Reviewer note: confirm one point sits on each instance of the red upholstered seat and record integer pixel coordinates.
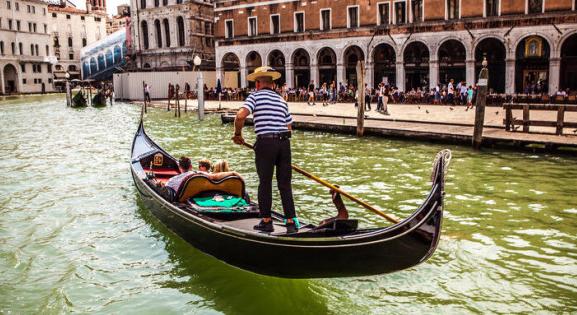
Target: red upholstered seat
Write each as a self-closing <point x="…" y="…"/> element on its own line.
<point x="162" y="172"/>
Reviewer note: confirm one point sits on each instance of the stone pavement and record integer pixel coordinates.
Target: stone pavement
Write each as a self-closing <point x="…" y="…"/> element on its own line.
<point x="409" y="113"/>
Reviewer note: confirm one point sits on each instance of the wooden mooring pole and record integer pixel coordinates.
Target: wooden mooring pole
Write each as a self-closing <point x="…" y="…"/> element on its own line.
<point x="361" y="98"/>
<point x="480" y="106"/>
<point x="144" y="94"/>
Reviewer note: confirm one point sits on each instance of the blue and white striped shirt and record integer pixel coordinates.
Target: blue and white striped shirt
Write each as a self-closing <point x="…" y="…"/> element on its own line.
<point x="269" y="110"/>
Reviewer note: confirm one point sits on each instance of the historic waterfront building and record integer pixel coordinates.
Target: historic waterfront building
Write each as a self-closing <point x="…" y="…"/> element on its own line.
<point x="71" y="29"/>
<point x="118" y="21"/>
<point x="531" y="45"/>
<point x="25" y="54"/>
<point x="167" y="34"/>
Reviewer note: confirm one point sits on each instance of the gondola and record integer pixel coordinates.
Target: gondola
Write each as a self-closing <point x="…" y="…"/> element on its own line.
<point x="336" y="249"/>
<point x="79" y="100"/>
<point x="99" y="100"/>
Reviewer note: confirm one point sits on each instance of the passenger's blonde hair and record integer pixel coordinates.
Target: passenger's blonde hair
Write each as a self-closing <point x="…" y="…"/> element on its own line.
<point x="220" y="166"/>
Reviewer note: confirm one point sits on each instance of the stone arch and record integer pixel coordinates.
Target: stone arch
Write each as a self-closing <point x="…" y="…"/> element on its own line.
<point x="561" y="42"/>
<point x="253" y="61"/>
<point x="452" y="56"/>
<point x="465" y="43"/>
<point x="158" y="33"/>
<point x="416" y="56"/>
<point x="351" y="55"/>
<point x="568" y="69"/>
<point x="144" y="30"/>
<point x="384" y="59"/>
<point x="496" y="52"/>
<point x="532" y="55"/>
<point x="301" y="61"/>
<point x="230" y="62"/>
<point x="11" y="79"/>
<point x="327" y="64"/>
<point x="109" y="58"/>
<point x="401" y="52"/>
<point x="371" y="54"/>
<point x="276" y="59"/>
<point x="522" y="36"/>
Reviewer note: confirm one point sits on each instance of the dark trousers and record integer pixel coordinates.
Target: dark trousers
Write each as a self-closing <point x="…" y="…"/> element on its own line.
<point x="271" y="153"/>
<point x="367" y="102"/>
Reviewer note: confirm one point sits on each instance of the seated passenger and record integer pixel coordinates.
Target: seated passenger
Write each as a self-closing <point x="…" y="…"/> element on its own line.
<point x="186" y="171"/>
<point x="221" y="170"/>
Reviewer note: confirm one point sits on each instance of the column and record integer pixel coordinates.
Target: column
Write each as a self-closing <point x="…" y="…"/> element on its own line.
<point x="341" y="74"/>
<point x="509" y="76"/>
<point x="2" y="89"/>
<point x="433" y="73"/>
<point x="554" y="74"/>
<point x="369" y="75"/>
<point x="400" y="75"/>
<point x="290" y="75"/>
<point x="243" y="82"/>
<point x="315" y="73"/>
<point x="470" y="71"/>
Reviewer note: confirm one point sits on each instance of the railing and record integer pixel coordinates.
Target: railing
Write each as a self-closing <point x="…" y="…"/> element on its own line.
<point x="526" y="122"/>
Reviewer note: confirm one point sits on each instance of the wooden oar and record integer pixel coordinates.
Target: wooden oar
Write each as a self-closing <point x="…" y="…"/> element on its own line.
<point x="323" y="182"/>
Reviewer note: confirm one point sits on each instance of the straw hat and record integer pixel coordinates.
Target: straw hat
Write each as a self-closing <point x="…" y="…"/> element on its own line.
<point x="264" y="71"/>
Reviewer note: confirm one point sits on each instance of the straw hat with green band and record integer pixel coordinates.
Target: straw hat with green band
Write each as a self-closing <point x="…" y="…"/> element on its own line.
<point x="264" y="71"/>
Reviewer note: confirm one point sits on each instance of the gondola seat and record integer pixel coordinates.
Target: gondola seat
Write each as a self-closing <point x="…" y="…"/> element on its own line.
<point x="200" y="183"/>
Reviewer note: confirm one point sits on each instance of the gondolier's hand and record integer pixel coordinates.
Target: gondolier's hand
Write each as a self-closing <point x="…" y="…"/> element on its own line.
<point x="238" y="139"/>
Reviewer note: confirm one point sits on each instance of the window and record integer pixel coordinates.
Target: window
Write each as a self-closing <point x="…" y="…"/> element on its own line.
<point x="45" y="29"/>
<point x="69" y="41"/>
<point x="180" y="26"/>
<point x="143" y="4"/>
<point x="84" y="42"/>
<point x="23" y="67"/>
<point x="252" y="30"/>
<point x="29" y="8"/>
<point x="535" y="6"/>
<point x="34" y="26"/>
<point x="20" y="49"/>
<point x="8" y="6"/>
<point x="144" y="27"/>
<point x="31" y="49"/>
<point x="17" y="6"/>
<point x="82" y="18"/>
<point x="68" y="16"/>
<point x="47" y="50"/>
<point x="384" y="14"/>
<point x="400" y="12"/>
<point x="158" y="33"/>
<point x="97" y="19"/>
<point x="33" y="10"/>
<point x="164" y="2"/>
<point x="178" y="1"/>
<point x="1" y="48"/>
<point x="166" y="32"/>
<point x="157" y="3"/>
<point x="24" y="81"/>
<point x="71" y="56"/>
<point x="353" y="17"/>
<point x="43" y="11"/>
<point x="18" y="25"/>
<point x="229" y="29"/>
<point x="417" y="9"/>
<point x="299" y="22"/>
<point x="13" y="48"/>
<point x="275" y="24"/>
<point x="453" y="11"/>
<point x="49" y="70"/>
<point x="325" y="19"/>
<point x="30" y="26"/>
<point x="53" y="14"/>
<point x="492" y="8"/>
<point x="9" y="24"/>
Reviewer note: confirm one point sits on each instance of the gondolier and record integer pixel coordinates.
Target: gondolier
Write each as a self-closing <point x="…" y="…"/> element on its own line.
<point x="272" y="125"/>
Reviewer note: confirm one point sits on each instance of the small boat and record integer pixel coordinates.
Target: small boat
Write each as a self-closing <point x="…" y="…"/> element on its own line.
<point x="79" y="100"/>
<point x="99" y="100"/>
<point x="336" y="249"/>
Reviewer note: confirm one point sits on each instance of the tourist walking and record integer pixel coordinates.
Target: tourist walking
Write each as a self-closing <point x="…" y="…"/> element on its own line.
<point x="368" y="97"/>
<point x="451" y="93"/>
<point x="311" y="93"/>
<point x="469" y="97"/>
<point x="146" y="93"/>
<point x="272" y="125"/>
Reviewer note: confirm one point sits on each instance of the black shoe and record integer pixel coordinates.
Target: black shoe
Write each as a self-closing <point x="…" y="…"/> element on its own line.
<point x="291" y="228"/>
<point x="264" y="226"/>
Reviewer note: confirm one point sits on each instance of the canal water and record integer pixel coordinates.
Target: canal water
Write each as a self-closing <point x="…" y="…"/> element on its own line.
<point x="74" y="236"/>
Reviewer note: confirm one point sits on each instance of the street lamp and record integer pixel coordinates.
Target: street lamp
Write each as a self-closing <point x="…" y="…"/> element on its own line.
<point x="199" y="87"/>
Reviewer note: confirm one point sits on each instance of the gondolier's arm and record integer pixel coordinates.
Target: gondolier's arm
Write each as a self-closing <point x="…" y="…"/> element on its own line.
<point x="238" y="124"/>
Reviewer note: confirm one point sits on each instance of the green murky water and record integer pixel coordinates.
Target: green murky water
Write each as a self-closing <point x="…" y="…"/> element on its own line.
<point x="75" y="238"/>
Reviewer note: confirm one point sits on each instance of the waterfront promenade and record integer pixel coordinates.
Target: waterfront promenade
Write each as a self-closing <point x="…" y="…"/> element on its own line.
<point x="452" y="124"/>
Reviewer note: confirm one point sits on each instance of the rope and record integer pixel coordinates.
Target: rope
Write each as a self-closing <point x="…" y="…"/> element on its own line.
<point x="444" y="156"/>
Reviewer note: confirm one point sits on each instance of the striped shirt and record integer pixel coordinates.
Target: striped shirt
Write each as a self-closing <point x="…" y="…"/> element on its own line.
<point x="269" y="110"/>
